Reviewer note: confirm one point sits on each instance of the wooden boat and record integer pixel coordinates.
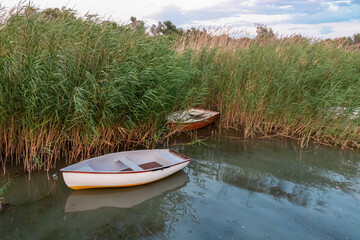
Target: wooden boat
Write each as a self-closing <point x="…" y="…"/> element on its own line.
<point x="91" y="199"/>
<point x="351" y="114"/>
<point x="124" y="169"/>
<point x="191" y="119"/>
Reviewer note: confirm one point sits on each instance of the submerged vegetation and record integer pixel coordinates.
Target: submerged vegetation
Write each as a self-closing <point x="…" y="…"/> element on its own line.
<point x="6" y="186"/>
<point x="72" y="87"/>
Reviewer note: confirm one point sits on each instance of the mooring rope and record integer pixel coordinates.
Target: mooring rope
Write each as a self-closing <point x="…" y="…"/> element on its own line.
<point x="55" y="177"/>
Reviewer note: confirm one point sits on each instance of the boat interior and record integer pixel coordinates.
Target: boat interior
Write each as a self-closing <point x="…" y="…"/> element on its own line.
<point x="191" y="115"/>
<point x="127" y="162"/>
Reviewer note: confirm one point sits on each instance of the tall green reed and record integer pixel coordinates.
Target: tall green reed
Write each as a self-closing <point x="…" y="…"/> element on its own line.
<point x="76" y="86"/>
<point x="288" y="87"/>
<point x="72" y="87"/>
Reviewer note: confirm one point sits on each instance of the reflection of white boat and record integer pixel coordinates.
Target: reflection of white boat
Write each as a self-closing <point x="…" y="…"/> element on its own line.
<point x="191" y="119"/>
<point x="124" y="169"/>
<point x="92" y="199"/>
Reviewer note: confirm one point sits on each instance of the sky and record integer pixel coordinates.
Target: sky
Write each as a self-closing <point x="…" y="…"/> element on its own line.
<point x="310" y="18"/>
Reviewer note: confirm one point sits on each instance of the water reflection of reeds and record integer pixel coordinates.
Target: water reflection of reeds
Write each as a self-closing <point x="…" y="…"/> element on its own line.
<point x="279" y="168"/>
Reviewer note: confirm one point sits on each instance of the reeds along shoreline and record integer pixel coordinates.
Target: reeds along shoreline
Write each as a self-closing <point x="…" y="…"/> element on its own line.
<point x="74" y="87"/>
<point x="287" y="87"/>
<point x="71" y="86"/>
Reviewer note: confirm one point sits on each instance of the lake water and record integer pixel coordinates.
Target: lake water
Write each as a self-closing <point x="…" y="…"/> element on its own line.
<point x="232" y="189"/>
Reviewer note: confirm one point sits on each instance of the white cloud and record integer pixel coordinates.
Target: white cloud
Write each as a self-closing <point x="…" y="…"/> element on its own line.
<point x="286" y="7"/>
<point x="188" y="5"/>
<point x="204" y="13"/>
<point x="345" y="1"/>
<point x="244" y="19"/>
<point x="122" y="9"/>
<point x="250" y="3"/>
<point x="119" y="10"/>
<point x="338" y="29"/>
<point x="332" y="6"/>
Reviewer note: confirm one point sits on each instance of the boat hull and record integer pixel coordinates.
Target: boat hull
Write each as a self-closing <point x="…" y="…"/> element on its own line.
<point x="86" y="180"/>
<point x="192" y="125"/>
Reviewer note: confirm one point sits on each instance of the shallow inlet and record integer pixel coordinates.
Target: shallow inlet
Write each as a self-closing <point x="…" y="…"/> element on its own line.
<point x="233" y="189"/>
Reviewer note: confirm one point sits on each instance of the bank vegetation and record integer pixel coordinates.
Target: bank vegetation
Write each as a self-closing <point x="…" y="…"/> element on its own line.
<point x="72" y="87"/>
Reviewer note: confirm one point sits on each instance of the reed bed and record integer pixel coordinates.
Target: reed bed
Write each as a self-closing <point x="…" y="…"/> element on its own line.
<point x="73" y="87"/>
<point x="282" y="87"/>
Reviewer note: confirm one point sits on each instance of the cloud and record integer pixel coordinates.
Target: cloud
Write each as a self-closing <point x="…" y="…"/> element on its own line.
<point x="320" y="30"/>
<point x="286" y="7"/>
<point x="188" y="5"/>
<point x="335" y="5"/>
<point x="244" y="19"/>
<point x="332" y="6"/>
<point x="342" y="14"/>
<point x="313" y="17"/>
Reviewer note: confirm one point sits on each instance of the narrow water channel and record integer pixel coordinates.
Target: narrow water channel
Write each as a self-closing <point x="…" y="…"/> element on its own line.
<point x="232" y="189"/>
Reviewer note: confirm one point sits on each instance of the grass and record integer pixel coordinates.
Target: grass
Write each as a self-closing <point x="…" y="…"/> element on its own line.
<point x="74" y="87"/>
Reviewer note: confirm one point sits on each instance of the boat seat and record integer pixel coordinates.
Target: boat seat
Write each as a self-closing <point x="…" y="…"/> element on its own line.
<point x="170" y="156"/>
<point x="86" y="168"/>
<point x="150" y="165"/>
<point x="129" y="163"/>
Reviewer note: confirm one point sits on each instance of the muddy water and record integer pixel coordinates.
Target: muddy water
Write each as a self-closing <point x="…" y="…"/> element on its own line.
<point x="233" y="189"/>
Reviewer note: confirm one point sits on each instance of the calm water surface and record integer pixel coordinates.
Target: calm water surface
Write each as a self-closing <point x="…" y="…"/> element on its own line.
<point x="233" y="189"/>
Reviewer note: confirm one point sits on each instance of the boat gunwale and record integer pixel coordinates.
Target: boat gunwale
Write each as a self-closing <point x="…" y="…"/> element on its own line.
<point x="177" y="154"/>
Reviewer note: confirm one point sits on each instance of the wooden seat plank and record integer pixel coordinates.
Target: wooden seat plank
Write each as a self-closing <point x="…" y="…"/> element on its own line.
<point x="150" y="165"/>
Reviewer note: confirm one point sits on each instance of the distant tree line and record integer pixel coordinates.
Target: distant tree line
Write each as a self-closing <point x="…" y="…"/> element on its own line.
<point x="263" y="32"/>
<point x="162" y="28"/>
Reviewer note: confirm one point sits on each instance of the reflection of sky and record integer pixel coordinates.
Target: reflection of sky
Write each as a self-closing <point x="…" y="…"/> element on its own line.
<point x="280" y="168"/>
<point x="316" y="18"/>
<point x="273" y="189"/>
<point x="255" y="189"/>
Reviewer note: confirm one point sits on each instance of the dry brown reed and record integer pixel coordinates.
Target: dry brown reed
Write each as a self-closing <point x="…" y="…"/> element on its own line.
<point x="44" y="148"/>
<point x="213" y="38"/>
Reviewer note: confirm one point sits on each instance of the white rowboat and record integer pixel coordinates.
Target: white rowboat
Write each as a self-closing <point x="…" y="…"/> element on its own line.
<point x="351" y="114"/>
<point x="124" y="169"/>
